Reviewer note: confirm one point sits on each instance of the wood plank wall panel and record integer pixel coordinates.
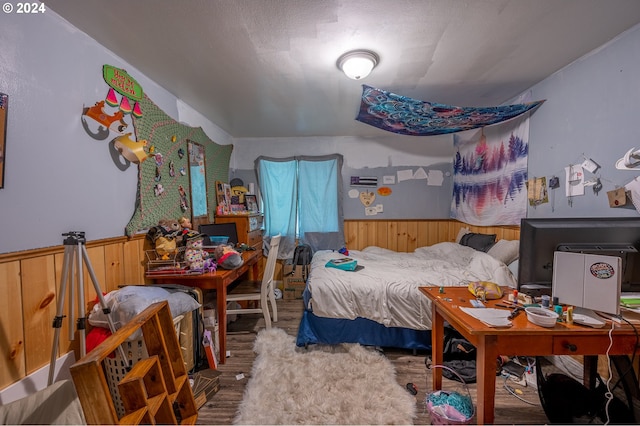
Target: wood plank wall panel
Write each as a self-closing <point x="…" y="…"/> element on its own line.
<point x="407" y="235"/>
<point x="12" y="365"/>
<point x="38" y="309"/>
<point x="113" y="262"/>
<point x="31" y="279"/>
<point x="133" y="252"/>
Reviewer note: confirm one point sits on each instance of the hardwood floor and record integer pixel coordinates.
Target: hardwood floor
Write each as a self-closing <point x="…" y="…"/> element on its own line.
<point x="410" y="367"/>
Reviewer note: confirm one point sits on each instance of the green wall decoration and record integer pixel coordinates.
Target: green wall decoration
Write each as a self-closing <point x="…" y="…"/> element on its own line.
<point x="163" y="178"/>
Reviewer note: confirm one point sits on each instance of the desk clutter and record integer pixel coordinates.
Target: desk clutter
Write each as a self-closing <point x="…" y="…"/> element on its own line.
<point x="179" y="250"/>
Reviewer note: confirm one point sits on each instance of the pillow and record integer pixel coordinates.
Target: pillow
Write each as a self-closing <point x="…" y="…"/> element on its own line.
<point x="505" y="251"/>
<point x="461" y="233"/>
<point x="129" y="301"/>
<point x="480" y="242"/>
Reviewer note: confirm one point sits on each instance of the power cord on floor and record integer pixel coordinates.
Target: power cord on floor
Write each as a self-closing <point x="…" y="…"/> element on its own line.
<point x="513" y="391"/>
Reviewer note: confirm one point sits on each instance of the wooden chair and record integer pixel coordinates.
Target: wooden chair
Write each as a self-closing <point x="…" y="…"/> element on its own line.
<point x="266" y="288"/>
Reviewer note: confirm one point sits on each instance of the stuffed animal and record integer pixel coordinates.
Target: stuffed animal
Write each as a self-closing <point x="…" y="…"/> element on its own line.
<point x="164" y="237"/>
<point x="195" y="256"/>
<point x="227" y="257"/>
<point x="171" y="226"/>
<point x="165" y="247"/>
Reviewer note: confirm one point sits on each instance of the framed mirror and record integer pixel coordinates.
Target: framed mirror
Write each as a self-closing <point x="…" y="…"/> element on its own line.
<point x="198" y="182"/>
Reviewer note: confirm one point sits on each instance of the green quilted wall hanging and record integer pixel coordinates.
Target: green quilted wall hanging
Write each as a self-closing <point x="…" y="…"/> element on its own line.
<point x="163" y="177"/>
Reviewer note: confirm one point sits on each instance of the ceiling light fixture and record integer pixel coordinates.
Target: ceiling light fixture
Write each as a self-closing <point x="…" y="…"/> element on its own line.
<point x="357" y="64"/>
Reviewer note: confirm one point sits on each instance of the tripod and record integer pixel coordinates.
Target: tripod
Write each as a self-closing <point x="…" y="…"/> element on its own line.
<point x="75" y="249"/>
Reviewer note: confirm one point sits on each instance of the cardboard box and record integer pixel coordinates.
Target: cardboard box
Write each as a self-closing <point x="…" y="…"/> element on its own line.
<point x="293" y="289"/>
<point x="293" y="284"/>
<point x="206" y="383"/>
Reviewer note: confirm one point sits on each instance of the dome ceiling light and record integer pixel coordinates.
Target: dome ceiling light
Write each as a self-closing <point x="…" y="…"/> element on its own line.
<point x="357" y="64"/>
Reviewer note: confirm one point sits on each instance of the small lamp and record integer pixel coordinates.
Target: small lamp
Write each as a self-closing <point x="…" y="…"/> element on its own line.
<point x="357" y="64"/>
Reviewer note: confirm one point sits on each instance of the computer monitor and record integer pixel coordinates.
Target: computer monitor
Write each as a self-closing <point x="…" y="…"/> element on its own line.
<point x="540" y="238"/>
<point x="220" y="230"/>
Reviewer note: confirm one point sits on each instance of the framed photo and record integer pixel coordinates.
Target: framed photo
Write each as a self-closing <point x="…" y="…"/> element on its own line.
<point x="4" y="105"/>
<point x="252" y="203"/>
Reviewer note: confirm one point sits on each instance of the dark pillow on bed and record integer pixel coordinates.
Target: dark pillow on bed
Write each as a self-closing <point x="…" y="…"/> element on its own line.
<point x="480" y="242"/>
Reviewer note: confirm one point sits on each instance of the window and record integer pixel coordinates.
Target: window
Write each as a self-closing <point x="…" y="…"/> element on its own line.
<point x="302" y="200"/>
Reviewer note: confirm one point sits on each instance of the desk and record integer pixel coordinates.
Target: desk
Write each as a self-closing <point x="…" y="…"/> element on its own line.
<point x="218" y="281"/>
<point x="522" y="338"/>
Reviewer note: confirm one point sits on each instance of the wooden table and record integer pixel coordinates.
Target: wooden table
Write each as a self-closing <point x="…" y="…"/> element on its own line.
<point x="218" y="281"/>
<point x="522" y="338"/>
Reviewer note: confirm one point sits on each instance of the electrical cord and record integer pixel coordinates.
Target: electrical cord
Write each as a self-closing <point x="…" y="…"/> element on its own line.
<point x="513" y="392"/>
<point x="608" y="394"/>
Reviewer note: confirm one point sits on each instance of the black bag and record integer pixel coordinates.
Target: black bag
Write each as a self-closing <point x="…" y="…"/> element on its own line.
<point x="459" y="355"/>
<point x="565" y="400"/>
<point x="302" y="256"/>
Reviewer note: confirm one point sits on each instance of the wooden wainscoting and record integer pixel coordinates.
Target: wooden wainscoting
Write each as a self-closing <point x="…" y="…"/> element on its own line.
<point x="30" y="287"/>
<point x="407" y="235"/>
<point x="30" y="281"/>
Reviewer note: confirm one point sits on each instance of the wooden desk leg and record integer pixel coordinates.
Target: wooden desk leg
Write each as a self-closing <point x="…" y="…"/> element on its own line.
<point x="486" y="374"/>
<point x="221" y="298"/>
<point x="254" y="272"/>
<point x="437" y="347"/>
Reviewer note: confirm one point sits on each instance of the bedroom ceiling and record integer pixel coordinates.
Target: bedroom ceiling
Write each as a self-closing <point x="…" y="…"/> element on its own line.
<point x="267" y="68"/>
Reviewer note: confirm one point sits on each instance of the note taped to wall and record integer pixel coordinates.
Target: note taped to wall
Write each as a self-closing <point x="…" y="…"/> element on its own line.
<point x="435" y="178"/>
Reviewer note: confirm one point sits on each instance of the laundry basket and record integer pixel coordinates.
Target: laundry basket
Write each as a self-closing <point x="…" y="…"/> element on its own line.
<point x="450" y="407"/>
<point x="116" y="368"/>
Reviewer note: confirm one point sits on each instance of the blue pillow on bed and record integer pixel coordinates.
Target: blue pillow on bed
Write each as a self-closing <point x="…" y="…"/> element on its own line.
<point x="480" y="242"/>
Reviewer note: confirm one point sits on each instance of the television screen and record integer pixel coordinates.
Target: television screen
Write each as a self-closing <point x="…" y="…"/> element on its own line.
<point x="541" y="238"/>
<point x="220" y="230"/>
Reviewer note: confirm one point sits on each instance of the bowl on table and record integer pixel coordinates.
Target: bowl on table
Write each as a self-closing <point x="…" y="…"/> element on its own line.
<point x="541" y="316"/>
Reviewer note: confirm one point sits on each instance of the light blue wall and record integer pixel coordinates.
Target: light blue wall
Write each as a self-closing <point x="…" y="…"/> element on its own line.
<point x="591" y="110"/>
<point x="57" y="178"/>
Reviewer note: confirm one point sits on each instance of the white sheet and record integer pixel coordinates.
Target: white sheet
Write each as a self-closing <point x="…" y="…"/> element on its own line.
<point x="386" y="290"/>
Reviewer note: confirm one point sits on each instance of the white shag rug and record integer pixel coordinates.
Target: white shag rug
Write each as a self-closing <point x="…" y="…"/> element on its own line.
<point x="343" y="384"/>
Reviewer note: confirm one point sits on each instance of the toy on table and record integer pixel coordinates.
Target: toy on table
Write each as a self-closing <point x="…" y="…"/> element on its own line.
<point x="228" y="258"/>
<point x="195" y="257"/>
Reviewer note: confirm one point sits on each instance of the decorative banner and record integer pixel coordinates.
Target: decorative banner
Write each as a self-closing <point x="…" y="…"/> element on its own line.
<point x="490" y="175"/>
<point x="122" y="82"/>
<point x="407" y="116"/>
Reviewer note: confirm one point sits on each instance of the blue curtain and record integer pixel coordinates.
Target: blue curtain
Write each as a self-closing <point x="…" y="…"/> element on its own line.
<point x="302" y="201"/>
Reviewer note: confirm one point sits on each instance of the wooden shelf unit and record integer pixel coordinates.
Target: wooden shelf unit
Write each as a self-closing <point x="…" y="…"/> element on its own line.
<point x="152" y="388"/>
<point x="248" y="226"/>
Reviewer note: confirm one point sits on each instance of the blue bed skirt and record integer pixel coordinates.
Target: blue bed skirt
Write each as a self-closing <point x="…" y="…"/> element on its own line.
<point x="314" y="330"/>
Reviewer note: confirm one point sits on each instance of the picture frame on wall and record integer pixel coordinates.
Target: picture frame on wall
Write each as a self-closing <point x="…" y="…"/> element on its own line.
<point x="4" y="105"/>
<point x="251" y="202"/>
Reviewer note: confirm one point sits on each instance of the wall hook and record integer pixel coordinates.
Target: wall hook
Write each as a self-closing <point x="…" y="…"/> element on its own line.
<point x="630" y="161"/>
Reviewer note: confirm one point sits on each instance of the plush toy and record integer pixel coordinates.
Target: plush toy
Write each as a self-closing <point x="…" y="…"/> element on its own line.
<point x="227" y="257"/>
<point x="164" y="237"/>
<point x="170" y="226"/>
<point x="165" y="247"/>
<point x="195" y="256"/>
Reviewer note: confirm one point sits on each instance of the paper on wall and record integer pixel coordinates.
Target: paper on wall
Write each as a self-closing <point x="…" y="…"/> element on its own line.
<point x="435" y="178"/>
<point x="634" y="189"/>
<point x="574" y="180"/>
<point x="420" y="174"/>
<point x="389" y="180"/>
<point x="405" y="175"/>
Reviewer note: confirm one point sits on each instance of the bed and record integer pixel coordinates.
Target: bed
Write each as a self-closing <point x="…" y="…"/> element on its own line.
<point x="380" y="304"/>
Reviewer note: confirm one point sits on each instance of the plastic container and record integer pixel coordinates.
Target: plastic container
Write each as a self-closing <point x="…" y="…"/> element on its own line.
<point x="541" y="316"/>
<point x="218" y="240"/>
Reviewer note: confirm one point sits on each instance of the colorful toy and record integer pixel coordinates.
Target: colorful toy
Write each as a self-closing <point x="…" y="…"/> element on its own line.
<point x="227" y="257"/>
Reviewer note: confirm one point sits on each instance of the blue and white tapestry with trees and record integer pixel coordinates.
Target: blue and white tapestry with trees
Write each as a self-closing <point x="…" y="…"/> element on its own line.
<point x="490" y="174"/>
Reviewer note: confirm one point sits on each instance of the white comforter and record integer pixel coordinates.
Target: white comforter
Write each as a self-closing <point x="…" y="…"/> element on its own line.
<point x="386" y="290"/>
